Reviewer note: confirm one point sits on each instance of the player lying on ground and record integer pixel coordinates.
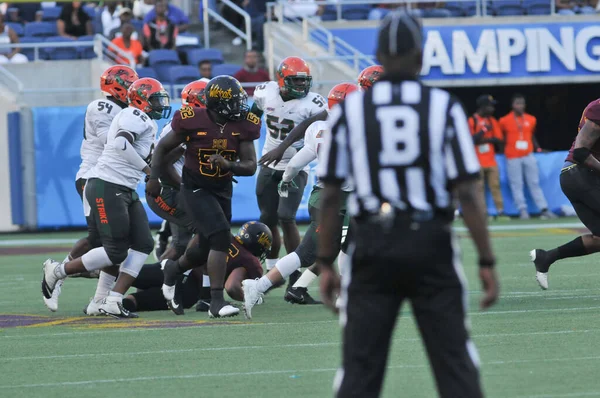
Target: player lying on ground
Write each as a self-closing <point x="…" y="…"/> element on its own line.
<point x="114" y="83"/>
<point x="248" y="247"/>
<point x="115" y="211"/>
<point x="306" y="254"/>
<point x="219" y="144"/>
<point x="580" y="182"/>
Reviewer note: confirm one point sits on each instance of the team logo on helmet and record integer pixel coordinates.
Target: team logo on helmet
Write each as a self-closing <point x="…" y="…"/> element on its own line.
<point x="217" y="92"/>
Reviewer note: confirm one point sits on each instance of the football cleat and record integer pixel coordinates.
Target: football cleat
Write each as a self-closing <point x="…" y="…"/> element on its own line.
<point x="52" y="302"/>
<point x="548" y="215"/>
<point x="112" y="306"/>
<point x="203" y="306"/>
<point x="176" y="307"/>
<point x="251" y="296"/>
<point x="299" y="295"/>
<point x="50" y="278"/>
<point x="93" y="308"/>
<point x="225" y="311"/>
<point x="540" y="260"/>
<point x="170" y="274"/>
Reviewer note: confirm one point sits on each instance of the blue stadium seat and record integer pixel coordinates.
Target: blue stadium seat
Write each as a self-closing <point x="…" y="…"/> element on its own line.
<point x="456" y="8"/>
<point x="163" y="57"/>
<point x="41" y="29"/>
<point x="146" y="72"/>
<point x="17" y="27"/>
<point x="86" y="52"/>
<point x="183" y="74"/>
<point x="355" y="12"/>
<point x="30" y="52"/>
<point x="225" y="69"/>
<point x="60" y="53"/>
<point x="538" y="9"/>
<point x="509" y="10"/>
<point x="90" y="10"/>
<point x="51" y="13"/>
<point x="329" y="13"/>
<point x="205" y="54"/>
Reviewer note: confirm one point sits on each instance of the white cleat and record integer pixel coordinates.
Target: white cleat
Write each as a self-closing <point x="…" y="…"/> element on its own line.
<point x="540" y="277"/>
<point x="338" y="303"/>
<point x="113" y="306"/>
<point x="93" y="308"/>
<point x="226" y="311"/>
<point x="52" y="302"/>
<point x="168" y="292"/>
<point x="50" y="278"/>
<point x="251" y="296"/>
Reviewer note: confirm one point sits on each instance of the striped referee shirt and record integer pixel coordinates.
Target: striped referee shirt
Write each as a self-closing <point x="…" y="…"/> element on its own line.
<point x="402" y="143"/>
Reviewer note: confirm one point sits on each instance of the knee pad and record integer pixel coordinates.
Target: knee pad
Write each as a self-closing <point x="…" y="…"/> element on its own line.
<point x="307" y="252"/>
<point x="220" y="241"/>
<point x="133" y="263"/>
<point x="116" y="254"/>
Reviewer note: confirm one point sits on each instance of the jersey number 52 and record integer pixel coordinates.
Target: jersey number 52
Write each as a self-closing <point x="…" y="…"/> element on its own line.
<point x="279" y="129"/>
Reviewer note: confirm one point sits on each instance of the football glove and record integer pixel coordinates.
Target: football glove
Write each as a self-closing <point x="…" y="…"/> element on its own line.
<point x="284" y="187"/>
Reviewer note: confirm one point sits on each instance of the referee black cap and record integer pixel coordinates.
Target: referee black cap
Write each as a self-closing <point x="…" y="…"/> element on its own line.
<point x="485" y="100"/>
<point x="399" y="34"/>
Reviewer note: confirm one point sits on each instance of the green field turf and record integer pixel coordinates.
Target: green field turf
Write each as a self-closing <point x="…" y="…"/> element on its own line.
<point x="532" y="343"/>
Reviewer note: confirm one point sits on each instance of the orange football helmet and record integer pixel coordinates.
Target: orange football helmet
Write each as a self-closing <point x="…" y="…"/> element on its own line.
<point x="149" y="96"/>
<point x="293" y="77"/>
<point x="339" y="92"/>
<point x="115" y="81"/>
<point x="193" y="94"/>
<point x="369" y="75"/>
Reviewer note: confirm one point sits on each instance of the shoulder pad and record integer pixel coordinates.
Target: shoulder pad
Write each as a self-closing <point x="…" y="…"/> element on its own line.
<point x="134" y="120"/>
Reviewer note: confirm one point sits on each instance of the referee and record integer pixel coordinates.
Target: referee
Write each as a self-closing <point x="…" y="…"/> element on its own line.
<point x="408" y="149"/>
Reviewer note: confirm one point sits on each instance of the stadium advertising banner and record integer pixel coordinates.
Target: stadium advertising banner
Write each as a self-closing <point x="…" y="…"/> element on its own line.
<point x="503" y="53"/>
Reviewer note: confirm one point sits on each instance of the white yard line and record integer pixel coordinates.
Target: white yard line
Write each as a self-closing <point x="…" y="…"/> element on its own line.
<point x="261" y="373"/>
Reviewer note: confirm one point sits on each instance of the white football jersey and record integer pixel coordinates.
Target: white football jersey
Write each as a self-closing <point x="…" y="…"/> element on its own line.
<point x="112" y="166"/>
<point x="282" y="116"/>
<point x="179" y="163"/>
<point x="98" y="117"/>
<point x="313" y="140"/>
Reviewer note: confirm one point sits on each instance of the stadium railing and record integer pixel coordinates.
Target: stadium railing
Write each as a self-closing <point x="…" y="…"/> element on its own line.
<point x="207" y="13"/>
<point x="103" y="48"/>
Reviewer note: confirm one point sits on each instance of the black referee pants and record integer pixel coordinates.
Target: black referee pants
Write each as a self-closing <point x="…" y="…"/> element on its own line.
<point x="414" y="262"/>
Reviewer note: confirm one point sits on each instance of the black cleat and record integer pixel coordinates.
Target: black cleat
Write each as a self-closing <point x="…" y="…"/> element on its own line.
<point x="299" y="295"/>
<point x="203" y="306"/>
<point x="170" y="272"/>
<point x="541" y="259"/>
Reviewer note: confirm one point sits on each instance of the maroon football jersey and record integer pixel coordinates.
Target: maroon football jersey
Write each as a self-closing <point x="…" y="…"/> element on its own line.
<point x="591" y="112"/>
<point x="204" y="138"/>
<point x="238" y="256"/>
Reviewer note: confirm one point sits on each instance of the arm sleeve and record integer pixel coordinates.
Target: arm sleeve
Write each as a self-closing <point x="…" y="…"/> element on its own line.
<point x="122" y="146"/>
<point x="335" y="164"/>
<point x="459" y="152"/>
<point x="298" y="162"/>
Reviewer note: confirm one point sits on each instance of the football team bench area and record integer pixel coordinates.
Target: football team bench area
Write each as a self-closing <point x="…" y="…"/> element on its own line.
<point x="532" y="344"/>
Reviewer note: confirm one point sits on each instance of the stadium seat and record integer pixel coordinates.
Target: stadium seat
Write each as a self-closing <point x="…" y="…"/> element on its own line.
<point x="456" y="8"/>
<point x="60" y="53"/>
<point x="51" y="13"/>
<point x="183" y="74"/>
<point x="90" y="10"/>
<point x="41" y="29"/>
<point x="329" y="13"/>
<point x="17" y="27"/>
<point x="30" y="52"/>
<point x="86" y="52"/>
<point x="355" y="12"/>
<point x="163" y="57"/>
<point x="146" y="72"/>
<point x="205" y="54"/>
<point x="509" y="10"/>
<point x="225" y="69"/>
<point x="538" y="9"/>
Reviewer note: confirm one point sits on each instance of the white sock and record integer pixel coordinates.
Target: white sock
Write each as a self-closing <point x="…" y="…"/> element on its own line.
<point x="96" y="259"/>
<point x="205" y="281"/>
<point x="116" y="296"/>
<point x="271" y="263"/>
<point x="288" y="264"/>
<point x="264" y="284"/>
<point x="305" y="279"/>
<point x="60" y="271"/>
<point x="105" y="284"/>
<point x="344" y="263"/>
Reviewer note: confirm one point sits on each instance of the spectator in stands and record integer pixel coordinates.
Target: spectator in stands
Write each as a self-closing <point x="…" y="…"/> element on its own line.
<point x="125" y="16"/>
<point x="251" y="72"/>
<point x="160" y="32"/>
<point x="380" y="11"/>
<point x="73" y="21"/>
<point x="8" y="36"/>
<point x="25" y="12"/>
<point x="258" y="14"/>
<point x="110" y="18"/>
<point x="141" y="8"/>
<point x="486" y="135"/>
<point x="129" y="45"/>
<point x="173" y="13"/>
<point x="205" y="68"/>
<point x="518" y="128"/>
